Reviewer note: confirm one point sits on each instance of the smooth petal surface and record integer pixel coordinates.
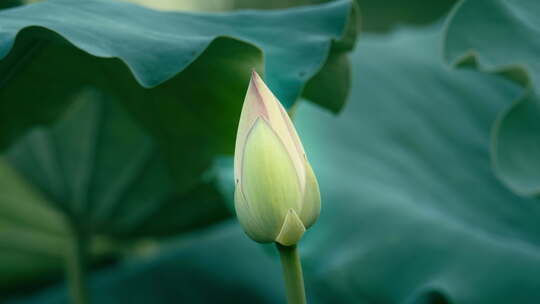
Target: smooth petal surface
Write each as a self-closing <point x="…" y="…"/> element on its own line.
<point x="252" y="109"/>
<point x="254" y="228"/>
<point x="311" y="204"/>
<point x="269" y="181"/>
<point x="260" y="102"/>
<point x="292" y="230"/>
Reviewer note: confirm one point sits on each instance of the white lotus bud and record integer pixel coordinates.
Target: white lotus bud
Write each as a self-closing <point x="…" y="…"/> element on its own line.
<point x="276" y="196"/>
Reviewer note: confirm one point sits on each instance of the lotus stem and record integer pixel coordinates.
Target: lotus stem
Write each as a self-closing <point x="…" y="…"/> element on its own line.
<point x="292" y="272"/>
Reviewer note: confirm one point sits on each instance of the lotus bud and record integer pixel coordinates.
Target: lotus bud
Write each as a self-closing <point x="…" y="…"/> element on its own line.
<point x="276" y="192"/>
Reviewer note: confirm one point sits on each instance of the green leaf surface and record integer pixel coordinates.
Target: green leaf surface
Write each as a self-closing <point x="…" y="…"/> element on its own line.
<point x="104" y="175"/>
<point x="509" y="46"/>
<point x="218" y="266"/>
<point x="32" y="235"/>
<point x="197" y="64"/>
<point x="376" y="15"/>
<point x="411" y="210"/>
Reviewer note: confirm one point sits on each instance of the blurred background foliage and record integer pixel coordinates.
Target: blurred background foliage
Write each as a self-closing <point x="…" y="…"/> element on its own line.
<point x="114" y="155"/>
<point x="515" y="141"/>
<point x="376" y="15"/>
<point x="413" y="210"/>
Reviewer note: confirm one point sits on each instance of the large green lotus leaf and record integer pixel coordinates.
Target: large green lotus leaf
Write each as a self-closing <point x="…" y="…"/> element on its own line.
<point x="376" y="15"/>
<point x="218" y="266"/>
<point x="183" y="76"/>
<point x="33" y="236"/>
<point x="103" y="176"/>
<point x="411" y="211"/>
<point x="503" y="37"/>
<point x="107" y="175"/>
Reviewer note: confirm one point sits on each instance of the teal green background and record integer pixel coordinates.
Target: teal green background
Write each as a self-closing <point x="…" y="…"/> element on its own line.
<point x="420" y="122"/>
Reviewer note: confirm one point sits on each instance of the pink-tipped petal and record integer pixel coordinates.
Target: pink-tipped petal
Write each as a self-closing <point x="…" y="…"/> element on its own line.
<point x="277" y="196"/>
<point x="252" y="109"/>
<point x="278" y="120"/>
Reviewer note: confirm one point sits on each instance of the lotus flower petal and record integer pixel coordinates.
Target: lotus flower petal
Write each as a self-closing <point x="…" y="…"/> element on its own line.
<point x="292" y="229"/>
<point x="311" y="204"/>
<point x="277" y="196"/>
<point x="261" y="103"/>
<point x="269" y="182"/>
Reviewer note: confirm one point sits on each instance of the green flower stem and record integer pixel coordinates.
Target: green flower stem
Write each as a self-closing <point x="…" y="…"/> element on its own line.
<point x="292" y="272"/>
<point x="76" y="268"/>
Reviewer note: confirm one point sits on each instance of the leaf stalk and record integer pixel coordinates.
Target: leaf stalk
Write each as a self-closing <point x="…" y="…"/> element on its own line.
<point x="292" y="273"/>
<point x="76" y="267"/>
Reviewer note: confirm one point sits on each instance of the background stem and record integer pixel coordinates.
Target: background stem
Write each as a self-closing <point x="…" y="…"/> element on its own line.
<point x="292" y="272"/>
<point x="76" y="268"/>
